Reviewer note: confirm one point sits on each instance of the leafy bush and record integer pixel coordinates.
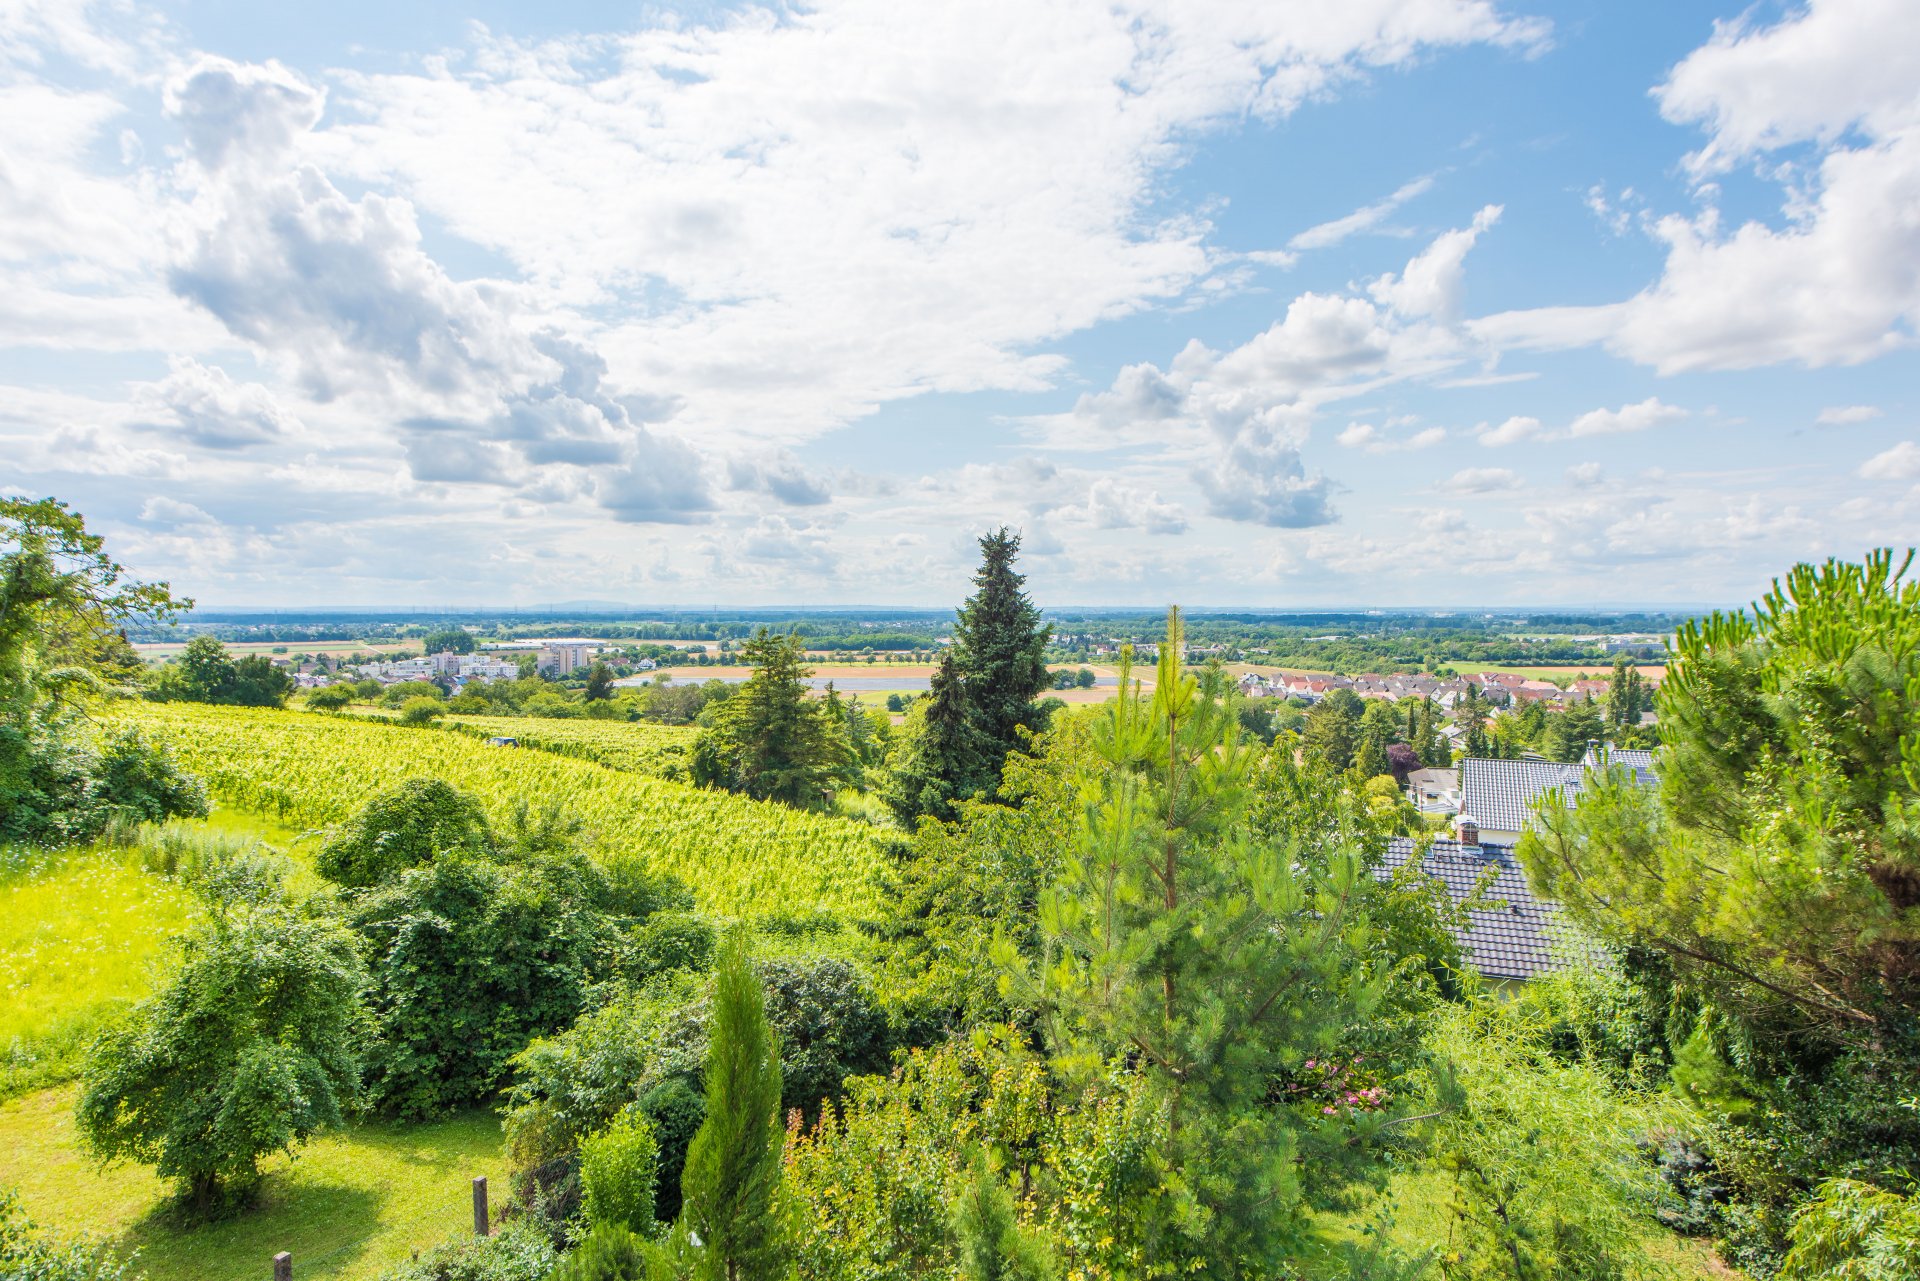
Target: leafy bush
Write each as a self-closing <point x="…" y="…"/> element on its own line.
<point x="519" y="1251"/>
<point x="471" y="960"/>
<point x="422" y="711"/>
<point x="248" y="1049"/>
<point x="25" y="1255"/>
<point x="829" y="1024"/>
<point x="1858" y="1232"/>
<point x="402" y="827"/>
<point x="399" y="694"/>
<point x="618" y="1170"/>
<point x="57" y="787"/>
<point x="331" y="698"/>
<point x="670" y="941"/>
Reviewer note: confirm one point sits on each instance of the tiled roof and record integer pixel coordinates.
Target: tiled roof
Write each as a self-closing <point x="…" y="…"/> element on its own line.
<point x="1516" y="935"/>
<point x="1500" y="795"/>
<point x="1638" y="760"/>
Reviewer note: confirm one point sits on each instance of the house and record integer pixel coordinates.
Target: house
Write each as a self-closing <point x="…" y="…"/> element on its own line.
<point x="1511" y="936"/>
<point x="1500" y="796"/>
<point x="1434" y="791"/>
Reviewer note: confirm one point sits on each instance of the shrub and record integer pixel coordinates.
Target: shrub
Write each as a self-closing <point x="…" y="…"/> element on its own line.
<point x="27" y="1256"/>
<point x="618" y="1169"/>
<point x="670" y="941"/>
<point x="397" y="695"/>
<point x="422" y="711"/>
<point x="330" y="699"/>
<point x="519" y="1251"/>
<point x="400" y="828"/>
<point x="471" y="960"/>
<point x="611" y="1252"/>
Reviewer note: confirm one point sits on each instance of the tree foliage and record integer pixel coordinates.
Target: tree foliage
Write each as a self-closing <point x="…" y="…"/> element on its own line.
<point x="251" y="1047"/>
<point x="408" y="824"/>
<point x="731" y="1187"/>
<point x="1207" y="958"/>
<point x="771" y="740"/>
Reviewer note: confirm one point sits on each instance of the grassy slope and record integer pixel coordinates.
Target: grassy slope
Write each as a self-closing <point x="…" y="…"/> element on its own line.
<point x="348" y="1207"/>
<point x="79" y="937"/>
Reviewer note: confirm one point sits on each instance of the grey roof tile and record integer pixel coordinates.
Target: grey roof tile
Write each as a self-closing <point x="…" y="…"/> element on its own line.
<point x="1515" y="936"/>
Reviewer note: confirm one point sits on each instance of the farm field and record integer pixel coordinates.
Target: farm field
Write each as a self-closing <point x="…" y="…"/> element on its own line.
<point x="634" y="747"/>
<point x="350" y="1206"/>
<point x="160" y="651"/>
<point x="741" y="858"/>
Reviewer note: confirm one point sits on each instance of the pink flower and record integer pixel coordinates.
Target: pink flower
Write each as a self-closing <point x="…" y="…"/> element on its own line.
<point x="1309" y="1063"/>
<point x="1327" y="1111"/>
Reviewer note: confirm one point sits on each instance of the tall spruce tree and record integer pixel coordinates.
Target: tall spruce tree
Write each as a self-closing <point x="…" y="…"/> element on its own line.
<point x="1000" y="646"/>
<point x="730" y="1188"/>
<point x="942" y="762"/>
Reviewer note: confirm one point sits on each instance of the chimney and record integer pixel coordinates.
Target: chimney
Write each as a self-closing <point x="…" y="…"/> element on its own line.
<point x="1467" y="829"/>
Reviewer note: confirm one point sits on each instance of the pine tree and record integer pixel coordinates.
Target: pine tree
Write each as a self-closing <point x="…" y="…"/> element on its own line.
<point x="1472" y="715"/>
<point x="1000" y="646"/>
<point x="730" y="1188"/>
<point x="1179" y="943"/>
<point x="599" y="682"/>
<point x="771" y="740"/>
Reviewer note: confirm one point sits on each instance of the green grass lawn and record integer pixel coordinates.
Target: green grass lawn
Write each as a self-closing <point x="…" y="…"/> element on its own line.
<point x="80" y="936"/>
<point x="348" y="1207"/>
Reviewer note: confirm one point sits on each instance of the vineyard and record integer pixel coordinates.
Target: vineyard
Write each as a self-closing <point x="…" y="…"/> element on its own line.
<point x="657" y="751"/>
<point x="741" y="857"/>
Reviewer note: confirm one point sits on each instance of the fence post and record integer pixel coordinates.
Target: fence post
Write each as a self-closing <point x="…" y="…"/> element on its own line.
<point x="283" y="1266"/>
<point x="480" y="1206"/>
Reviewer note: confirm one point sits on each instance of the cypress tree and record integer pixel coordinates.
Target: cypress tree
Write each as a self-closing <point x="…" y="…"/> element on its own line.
<point x="1000" y="646"/>
<point x="730" y="1188"/>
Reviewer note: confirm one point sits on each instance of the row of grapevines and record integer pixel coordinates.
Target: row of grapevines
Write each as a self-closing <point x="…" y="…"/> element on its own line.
<point x="741" y="857"/>
<point x="658" y="751"/>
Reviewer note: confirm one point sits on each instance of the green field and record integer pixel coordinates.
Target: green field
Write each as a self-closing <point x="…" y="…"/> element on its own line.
<point x="633" y="747"/>
<point x="348" y="1207"/>
<point x="80" y="937"/>
<point x="741" y="857"/>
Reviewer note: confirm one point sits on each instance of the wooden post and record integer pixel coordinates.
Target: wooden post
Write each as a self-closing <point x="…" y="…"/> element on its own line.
<point x="283" y="1266"/>
<point x="480" y="1206"/>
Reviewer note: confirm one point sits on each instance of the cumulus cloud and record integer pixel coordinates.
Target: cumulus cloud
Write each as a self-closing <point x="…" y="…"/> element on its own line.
<point x="1260" y="477"/>
<point x="1511" y="432"/>
<point x="1585" y="474"/>
<point x="1375" y="441"/>
<point x="1482" y="480"/>
<point x="1112" y="504"/>
<point x="1636" y="417"/>
<point x="1836" y="280"/>
<point x="1432" y="284"/>
<point x="780" y="475"/>
<point x="342" y="290"/>
<point x="1847" y="415"/>
<point x="210" y="409"/>
<point x="161" y="510"/>
<point x="1902" y="462"/>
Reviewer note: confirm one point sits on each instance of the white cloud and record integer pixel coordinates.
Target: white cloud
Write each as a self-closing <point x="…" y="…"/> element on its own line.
<point x="1111" y="504"/>
<point x="1370" y="438"/>
<point x="1482" y="480"/>
<point x="1902" y="462"/>
<point x="1510" y="432"/>
<point x="1847" y="415"/>
<point x="1837" y="280"/>
<point x="210" y="409"/>
<point x="1585" y="474"/>
<point x="1432" y="284"/>
<point x="1362" y="219"/>
<point x="1636" y="417"/>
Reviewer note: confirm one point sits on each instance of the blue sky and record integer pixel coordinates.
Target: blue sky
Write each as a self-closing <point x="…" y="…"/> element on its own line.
<point x="1392" y="302"/>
